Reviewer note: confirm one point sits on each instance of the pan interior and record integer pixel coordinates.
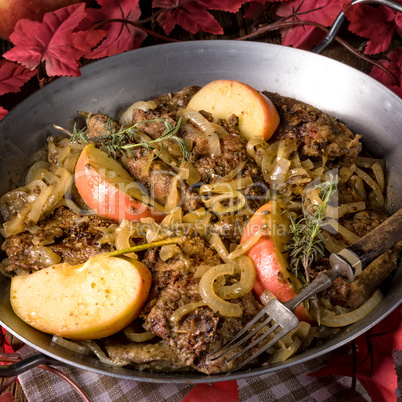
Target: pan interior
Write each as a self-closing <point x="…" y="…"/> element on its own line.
<point x="109" y="85"/>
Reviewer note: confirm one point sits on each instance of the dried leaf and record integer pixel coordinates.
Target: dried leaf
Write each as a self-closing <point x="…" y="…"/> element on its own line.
<point x="13" y="76"/>
<point x="374" y="359"/>
<point x="121" y="37"/>
<point x="5" y="345"/>
<point x="394" y="64"/>
<point x="232" y="6"/>
<point x="191" y="16"/>
<point x="258" y="8"/>
<point x="376" y="24"/>
<point x="323" y="12"/>
<point x="227" y="391"/>
<point x="54" y="41"/>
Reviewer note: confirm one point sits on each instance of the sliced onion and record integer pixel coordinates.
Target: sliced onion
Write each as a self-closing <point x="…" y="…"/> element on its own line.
<point x="216" y="202"/>
<point x="245" y="246"/>
<point x="268" y="161"/>
<point x="379" y="175"/>
<point x="217" y="244"/>
<point x="331" y="244"/>
<point x="101" y="355"/>
<point x="135" y="336"/>
<point x="204" y="125"/>
<point x="344" y="174"/>
<point x="59" y="190"/>
<point x="126" y="118"/>
<point x="174" y="216"/>
<point x="226" y="187"/>
<point x="279" y="173"/>
<point x="284" y="354"/>
<point x="168" y="251"/>
<point x="346" y="234"/>
<point x="221" y="131"/>
<point x="34" y="172"/>
<point x="375" y="187"/>
<point x="193" y="175"/>
<point x="303" y="329"/>
<point x="193" y="217"/>
<point x="39" y="204"/>
<point x="246" y="282"/>
<point x="256" y="147"/>
<point x="329" y="319"/>
<point x="233" y="173"/>
<point x="162" y="152"/>
<point x="186" y="309"/>
<point x="62" y="153"/>
<point x="319" y="172"/>
<point x="149" y="157"/>
<point x="174" y="196"/>
<point x="207" y="292"/>
<point x="351" y="208"/>
<point x="73" y="346"/>
<point x="266" y="296"/>
<point x="123" y="236"/>
<point x="358" y="185"/>
<point x="307" y="164"/>
<point x="369" y="162"/>
<point x="200" y="271"/>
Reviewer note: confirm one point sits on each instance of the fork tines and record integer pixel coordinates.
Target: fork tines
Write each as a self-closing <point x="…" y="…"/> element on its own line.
<point x="274" y="312"/>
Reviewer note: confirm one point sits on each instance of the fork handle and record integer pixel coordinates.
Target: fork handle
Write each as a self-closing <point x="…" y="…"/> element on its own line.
<point x="323" y="281"/>
<point x="350" y="261"/>
<point x="362" y="253"/>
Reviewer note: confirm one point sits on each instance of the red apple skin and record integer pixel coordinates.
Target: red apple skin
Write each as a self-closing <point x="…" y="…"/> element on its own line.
<point x="106" y="199"/>
<point x="12" y="11"/>
<point x="270" y="262"/>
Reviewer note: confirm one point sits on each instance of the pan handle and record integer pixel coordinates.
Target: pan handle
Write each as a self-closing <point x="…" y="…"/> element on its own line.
<point x="26" y="364"/>
<point x="336" y="26"/>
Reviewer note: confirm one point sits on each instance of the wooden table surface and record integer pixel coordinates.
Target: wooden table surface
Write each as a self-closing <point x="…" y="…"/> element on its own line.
<point x="237" y="25"/>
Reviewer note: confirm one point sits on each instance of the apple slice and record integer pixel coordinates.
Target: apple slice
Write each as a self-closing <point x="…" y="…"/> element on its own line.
<point x="89" y="301"/>
<point x="269" y="257"/>
<point x="109" y="190"/>
<point x="222" y="98"/>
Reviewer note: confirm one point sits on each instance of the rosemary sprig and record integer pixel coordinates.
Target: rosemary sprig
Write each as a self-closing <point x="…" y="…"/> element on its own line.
<point x="117" y="141"/>
<point x="307" y="242"/>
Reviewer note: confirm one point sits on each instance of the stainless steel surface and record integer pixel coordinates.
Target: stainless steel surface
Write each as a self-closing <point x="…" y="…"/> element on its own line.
<point x="109" y="85"/>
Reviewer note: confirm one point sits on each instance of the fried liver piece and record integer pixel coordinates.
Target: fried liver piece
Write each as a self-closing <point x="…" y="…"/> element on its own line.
<point x="72" y="236"/>
<point x="318" y="134"/>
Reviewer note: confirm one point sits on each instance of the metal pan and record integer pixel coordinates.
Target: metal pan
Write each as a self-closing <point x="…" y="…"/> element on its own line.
<point x="109" y="85"/>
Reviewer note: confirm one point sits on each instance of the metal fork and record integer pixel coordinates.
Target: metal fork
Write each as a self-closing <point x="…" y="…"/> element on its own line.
<point x="346" y="264"/>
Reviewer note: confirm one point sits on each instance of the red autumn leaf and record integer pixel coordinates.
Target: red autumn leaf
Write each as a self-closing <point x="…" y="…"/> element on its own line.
<point x="5" y="346"/>
<point x="258" y="8"/>
<point x="232" y="6"/>
<point x="375" y="366"/>
<point x="3" y="112"/>
<point x="7" y="397"/>
<point x="192" y="16"/>
<point x="13" y="76"/>
<point x="227" y="391"/>
<point x="376" y="24"/>
<point x="305" y="37"/>
<point x="54" y="41"/>
<point x="121" y="37"/>
<point x="393" y="64"/>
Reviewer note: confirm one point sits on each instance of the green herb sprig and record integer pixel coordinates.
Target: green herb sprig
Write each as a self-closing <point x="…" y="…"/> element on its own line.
<point x="307" y="243"/>
<point x="114" y="141"/>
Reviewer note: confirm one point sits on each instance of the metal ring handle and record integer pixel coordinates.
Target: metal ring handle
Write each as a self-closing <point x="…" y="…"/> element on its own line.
<point x="336" y="26"/>
<point x="12" y="370"/>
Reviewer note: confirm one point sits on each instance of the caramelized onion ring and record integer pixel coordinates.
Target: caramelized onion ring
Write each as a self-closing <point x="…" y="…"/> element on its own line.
<point x="207" y="292"/>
